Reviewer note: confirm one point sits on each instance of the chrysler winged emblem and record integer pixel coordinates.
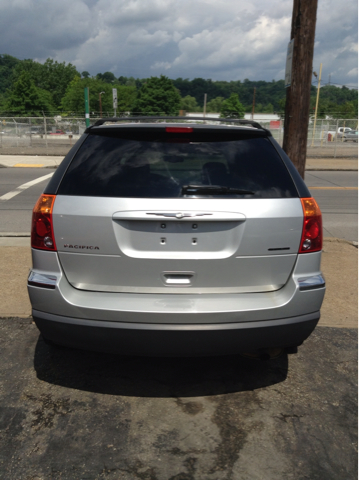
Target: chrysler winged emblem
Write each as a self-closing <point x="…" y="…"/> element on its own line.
<point x="178" y="215"/>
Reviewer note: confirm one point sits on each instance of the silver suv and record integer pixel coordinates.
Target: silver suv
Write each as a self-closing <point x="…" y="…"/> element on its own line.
<point x="161" y="237"/>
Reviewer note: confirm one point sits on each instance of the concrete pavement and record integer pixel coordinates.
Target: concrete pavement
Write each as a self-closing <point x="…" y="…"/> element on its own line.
<point x="30" y="161"/>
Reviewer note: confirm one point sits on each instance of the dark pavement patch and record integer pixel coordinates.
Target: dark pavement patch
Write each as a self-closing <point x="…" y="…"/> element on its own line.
<point x="69" y="414"/>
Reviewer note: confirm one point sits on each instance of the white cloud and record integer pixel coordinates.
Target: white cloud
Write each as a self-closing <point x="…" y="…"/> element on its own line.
<point x="142" y="37"/>
<point x="120" y="12"/>
<point x="218" y="39"/>
<point x="229" y="47"/>
<point x="161" y="66"/>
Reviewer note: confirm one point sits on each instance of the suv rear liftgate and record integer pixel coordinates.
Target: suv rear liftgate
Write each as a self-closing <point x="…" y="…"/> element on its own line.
<point x="181" y="225"/>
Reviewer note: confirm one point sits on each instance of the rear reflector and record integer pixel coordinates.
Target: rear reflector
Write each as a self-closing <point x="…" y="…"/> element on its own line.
<point x="312" y="235"/>
<point x="179" y="129"/>
<point x="42" y="232"/>
<point x="42" y="280"/>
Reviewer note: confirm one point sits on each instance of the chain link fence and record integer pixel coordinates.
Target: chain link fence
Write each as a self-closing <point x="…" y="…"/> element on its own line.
<point x="56" y="135"/>
<point x="326" y="140"/>
<point x="39" y="135"/>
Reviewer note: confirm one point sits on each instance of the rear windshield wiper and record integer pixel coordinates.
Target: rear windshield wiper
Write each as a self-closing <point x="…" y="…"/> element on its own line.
<point x="213" y="190"/>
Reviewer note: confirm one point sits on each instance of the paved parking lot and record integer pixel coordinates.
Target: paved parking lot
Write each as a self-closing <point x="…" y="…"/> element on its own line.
<point x="76" y="415"/>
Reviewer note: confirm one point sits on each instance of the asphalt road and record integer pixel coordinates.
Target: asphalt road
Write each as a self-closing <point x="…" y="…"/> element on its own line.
<point x="76" y="415"/>
<point x="339" y="206"/>
<point x="335" y="191"/>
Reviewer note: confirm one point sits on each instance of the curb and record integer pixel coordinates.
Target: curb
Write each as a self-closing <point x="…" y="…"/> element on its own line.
<point x="353" y="243"/>
<point x="30" y="166"/>
<point x="314" y="169"/>
<point x="14" y="234"/>
<point x="321" y="169"/>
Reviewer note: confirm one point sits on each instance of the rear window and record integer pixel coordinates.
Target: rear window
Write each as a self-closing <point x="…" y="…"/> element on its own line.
<point x="142" y="166"/>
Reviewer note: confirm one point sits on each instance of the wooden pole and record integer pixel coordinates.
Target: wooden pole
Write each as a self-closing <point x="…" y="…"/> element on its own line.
<point x="316" y="105"/>
<point x="298" y="93"/>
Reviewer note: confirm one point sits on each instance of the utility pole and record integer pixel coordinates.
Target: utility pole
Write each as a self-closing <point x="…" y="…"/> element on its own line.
<point x="254" y="102"/>
<point x="114" y="97"/>
<point x="87" y="107"/>
<point x="99" y="95"/>
<point x="205" y="105"/>
<point x="298" y="93"/>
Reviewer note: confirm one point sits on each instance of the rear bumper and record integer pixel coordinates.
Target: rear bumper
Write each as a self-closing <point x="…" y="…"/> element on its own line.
<point x="175" y="340"/>
<point x="175" y="325"/>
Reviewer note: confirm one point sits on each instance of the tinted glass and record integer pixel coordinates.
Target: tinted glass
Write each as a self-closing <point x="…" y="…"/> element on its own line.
<point x="108" y="166"/>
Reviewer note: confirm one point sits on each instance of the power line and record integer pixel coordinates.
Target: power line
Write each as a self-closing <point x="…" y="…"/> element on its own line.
<point x="350" y="86"/>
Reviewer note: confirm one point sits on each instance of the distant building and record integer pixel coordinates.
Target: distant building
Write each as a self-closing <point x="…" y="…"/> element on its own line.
<point x="258" y="117"/>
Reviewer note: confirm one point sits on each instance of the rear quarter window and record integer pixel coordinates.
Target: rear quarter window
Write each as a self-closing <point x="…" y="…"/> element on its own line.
<point x="158" y="167"/>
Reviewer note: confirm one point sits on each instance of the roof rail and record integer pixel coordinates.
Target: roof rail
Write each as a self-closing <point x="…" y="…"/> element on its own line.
<point x="239" y="121"/>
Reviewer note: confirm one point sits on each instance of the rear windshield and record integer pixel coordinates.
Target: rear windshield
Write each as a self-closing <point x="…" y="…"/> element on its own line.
<point x="108" y="166"/>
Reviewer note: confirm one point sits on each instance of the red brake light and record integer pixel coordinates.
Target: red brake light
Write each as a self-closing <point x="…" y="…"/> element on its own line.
<point x="42" y="232"/>
<point x="312" y="235"/>
<point x="179" y="129"/>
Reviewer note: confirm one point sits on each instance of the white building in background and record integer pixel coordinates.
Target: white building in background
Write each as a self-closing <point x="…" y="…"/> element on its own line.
<point x="258" y="117"/>
<point x="262" y="117"/>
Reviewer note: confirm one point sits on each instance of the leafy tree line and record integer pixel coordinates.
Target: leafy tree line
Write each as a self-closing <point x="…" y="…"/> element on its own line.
<point x="30" y="88"/>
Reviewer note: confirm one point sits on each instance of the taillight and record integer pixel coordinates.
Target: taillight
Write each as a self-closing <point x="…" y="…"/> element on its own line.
<point x="312" y="235"/>
<point x="42" y="232"/>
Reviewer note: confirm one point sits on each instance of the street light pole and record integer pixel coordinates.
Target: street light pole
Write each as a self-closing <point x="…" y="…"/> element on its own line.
<point x="100" y="103"/>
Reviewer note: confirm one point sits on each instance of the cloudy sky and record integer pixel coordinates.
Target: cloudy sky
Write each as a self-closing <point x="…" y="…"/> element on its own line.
<point x="217" y="39"/>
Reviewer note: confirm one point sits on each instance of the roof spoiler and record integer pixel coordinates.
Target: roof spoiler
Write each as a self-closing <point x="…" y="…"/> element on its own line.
<point x="239" y="121"/>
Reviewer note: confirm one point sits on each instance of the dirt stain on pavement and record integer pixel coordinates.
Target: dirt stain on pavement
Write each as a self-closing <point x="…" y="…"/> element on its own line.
<point x="49" y="409"/>
<point x="191" y="408"/>
<point x="230" y="418"/>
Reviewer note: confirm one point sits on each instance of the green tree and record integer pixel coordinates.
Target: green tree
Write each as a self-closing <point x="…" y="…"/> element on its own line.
<point x="73" y="101"/>
<point x="131" y="81"/>
<point x="348" y="110"/>
<point x="51" y="76"/>
<point x="189" y="104"/>
<point x="281" y="104"/>
<point x="107" y="77"/>
<point x="232" y="107"/>
<point x="85" y="74"/>
<point x="268" y="108"/>
<point x="157" y="96"/>
<point x="7" y="64"/>
<point x="122" y="80"/>
<point x="215" y="105"/>
<point x="26" y="99"/>
<point x="126" y="95"/>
